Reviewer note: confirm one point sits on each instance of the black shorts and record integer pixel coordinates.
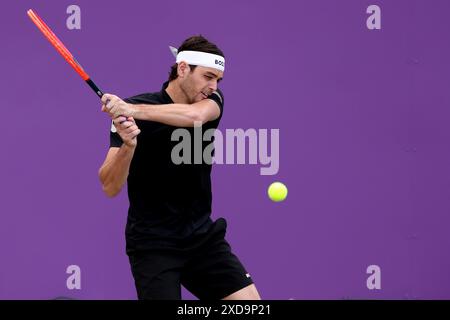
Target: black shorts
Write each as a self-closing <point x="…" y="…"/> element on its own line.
<point x="205" y="266"/>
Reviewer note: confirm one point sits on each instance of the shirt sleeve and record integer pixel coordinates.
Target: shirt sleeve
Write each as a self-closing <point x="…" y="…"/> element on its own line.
<point x="115" y="141"/>
<point x="217" y="96"/>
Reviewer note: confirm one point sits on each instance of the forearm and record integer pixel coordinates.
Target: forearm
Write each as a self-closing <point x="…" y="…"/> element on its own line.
<point x="176" y="114"/>
<point x="114" y="173"/>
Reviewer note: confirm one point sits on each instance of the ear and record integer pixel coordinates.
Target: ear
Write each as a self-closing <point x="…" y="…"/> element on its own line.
<point x="183" y="69"/>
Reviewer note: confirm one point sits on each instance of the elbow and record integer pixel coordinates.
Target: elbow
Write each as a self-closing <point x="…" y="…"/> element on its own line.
<point x="110" y="191"/>
<point x="199" y="118"/>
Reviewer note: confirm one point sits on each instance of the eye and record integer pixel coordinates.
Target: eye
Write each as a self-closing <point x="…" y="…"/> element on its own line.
<point x="208" y="77"/>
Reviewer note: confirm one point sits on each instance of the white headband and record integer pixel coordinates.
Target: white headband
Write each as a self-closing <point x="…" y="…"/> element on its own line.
<point x="198" y="58"/>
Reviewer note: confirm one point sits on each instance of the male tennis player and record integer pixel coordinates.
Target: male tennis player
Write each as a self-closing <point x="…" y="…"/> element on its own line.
<point x="170" y="237"/>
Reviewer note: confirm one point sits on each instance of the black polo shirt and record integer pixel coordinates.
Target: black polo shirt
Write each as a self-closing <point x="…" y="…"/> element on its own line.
<point x="169" y="203"/>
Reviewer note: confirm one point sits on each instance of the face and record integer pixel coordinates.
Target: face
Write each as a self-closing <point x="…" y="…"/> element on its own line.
<point x="200" y="83"/>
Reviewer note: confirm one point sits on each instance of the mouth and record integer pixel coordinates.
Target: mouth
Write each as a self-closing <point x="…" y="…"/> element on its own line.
<point x="204" y="96"/>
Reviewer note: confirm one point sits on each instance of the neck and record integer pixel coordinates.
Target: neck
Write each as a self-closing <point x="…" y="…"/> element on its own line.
<point x="175" y="93"/>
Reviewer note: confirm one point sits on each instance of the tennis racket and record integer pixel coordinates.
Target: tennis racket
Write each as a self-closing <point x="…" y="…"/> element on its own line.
<point x="65" y="53"/>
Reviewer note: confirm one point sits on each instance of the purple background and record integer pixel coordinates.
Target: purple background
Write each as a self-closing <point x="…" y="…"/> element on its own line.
<point x="363" y="119"/>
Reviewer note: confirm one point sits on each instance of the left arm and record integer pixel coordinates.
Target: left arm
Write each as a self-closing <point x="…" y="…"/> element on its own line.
<point x="174" y="114"/>
<point x="178" y="114"/>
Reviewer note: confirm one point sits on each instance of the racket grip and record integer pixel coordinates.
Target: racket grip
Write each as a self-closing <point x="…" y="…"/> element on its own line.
<point x="97" y="91"/>
<point x="95" y="88"/>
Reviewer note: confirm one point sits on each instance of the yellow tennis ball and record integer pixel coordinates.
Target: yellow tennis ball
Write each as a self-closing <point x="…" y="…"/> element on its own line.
<point x="277" y="191"/>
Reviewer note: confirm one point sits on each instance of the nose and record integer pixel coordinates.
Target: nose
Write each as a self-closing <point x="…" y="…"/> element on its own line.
<point x="213" y="85"/>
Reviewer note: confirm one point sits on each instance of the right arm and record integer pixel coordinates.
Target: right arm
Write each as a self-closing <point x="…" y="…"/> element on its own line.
<point x="114" y="171"/>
